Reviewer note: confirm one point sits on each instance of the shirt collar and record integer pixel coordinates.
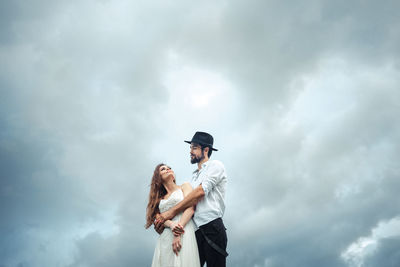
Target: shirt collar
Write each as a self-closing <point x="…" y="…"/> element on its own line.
<point x="202" y="166"/>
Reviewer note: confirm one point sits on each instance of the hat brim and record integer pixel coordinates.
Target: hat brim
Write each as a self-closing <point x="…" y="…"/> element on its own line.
<point x="189" y="142"/>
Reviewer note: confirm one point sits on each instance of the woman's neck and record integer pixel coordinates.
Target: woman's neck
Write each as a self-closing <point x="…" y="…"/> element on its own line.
<point x="170" y="187"/>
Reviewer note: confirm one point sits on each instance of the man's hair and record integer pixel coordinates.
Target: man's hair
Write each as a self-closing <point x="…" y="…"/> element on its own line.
<point x="209" y="150"/>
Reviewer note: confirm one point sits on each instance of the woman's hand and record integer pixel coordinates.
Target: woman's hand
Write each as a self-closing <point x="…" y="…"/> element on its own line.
<point x="176" y="244"/>
<point x="176" y="228"/>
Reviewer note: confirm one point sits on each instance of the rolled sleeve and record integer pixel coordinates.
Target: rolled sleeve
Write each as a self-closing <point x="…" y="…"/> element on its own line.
<point x="214" y="175"/>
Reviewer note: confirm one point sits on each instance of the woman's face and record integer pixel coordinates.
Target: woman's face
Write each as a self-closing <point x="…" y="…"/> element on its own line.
<point x="166" y="173"/>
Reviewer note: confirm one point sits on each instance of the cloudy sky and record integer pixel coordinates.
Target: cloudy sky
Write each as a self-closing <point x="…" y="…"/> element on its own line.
<point x="302" y="98"/>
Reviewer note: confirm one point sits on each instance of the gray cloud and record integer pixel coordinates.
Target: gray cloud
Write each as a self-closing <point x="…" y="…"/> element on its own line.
<point x="388" y="252"/>
<point x="302" y="100"/>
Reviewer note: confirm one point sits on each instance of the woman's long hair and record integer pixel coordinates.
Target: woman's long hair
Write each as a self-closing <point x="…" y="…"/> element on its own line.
<point x="157" y="192"/>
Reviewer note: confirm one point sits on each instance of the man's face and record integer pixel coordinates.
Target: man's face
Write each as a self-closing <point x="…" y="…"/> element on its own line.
<point x="196" y="154"/>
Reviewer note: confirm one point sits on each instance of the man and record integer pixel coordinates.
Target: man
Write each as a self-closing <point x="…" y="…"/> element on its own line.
<point x="209" y="183"/>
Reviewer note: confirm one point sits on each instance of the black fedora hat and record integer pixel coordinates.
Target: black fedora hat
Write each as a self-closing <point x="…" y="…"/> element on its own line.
<point x="204" y="139"/>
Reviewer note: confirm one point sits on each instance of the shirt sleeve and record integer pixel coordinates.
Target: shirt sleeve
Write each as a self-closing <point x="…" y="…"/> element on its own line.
<point x="213" y="176"/>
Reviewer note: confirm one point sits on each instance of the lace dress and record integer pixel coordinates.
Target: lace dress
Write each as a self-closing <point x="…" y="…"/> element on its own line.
<point x="164" y="256"/>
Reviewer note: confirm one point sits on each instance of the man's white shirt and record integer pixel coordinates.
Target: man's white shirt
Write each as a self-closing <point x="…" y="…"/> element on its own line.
<point x="213" y="178"/>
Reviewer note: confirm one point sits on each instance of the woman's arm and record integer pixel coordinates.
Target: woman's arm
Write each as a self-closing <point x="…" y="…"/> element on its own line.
<point x="168" y="223"/>
<point x="187" y="214"/>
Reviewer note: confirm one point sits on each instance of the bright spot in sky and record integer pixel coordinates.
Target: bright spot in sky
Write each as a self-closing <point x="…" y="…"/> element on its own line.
<point x="197" y="87"/>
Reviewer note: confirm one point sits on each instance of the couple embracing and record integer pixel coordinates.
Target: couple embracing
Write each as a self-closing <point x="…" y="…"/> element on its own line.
<point x="189" y="217"/>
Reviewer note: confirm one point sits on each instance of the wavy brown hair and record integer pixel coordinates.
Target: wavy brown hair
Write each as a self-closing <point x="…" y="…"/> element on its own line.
<point x="157" y="192"/>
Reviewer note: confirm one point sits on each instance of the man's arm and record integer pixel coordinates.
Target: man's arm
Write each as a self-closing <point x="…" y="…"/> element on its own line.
<point x="159" y="228"/>
<point x="190" y="200"/>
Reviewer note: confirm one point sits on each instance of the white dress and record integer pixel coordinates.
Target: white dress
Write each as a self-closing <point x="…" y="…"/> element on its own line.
<point x="164" y="256"/>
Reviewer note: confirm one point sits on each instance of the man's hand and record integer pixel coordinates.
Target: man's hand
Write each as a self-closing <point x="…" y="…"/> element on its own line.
<point x="161" y="218"/>
<point x="159" y="227"/>
<point x="177" y="228"/>
<point x="176" y="244"/>
<point x="168" y="215"/>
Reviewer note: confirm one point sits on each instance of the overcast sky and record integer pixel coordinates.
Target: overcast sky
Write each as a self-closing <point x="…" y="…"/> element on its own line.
<point x="302" y="98"/>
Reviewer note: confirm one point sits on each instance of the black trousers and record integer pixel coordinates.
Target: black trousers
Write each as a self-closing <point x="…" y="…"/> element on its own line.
<point x="215" y="231"/>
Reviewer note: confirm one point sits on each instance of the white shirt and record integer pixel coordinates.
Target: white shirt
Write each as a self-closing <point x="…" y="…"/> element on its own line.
<point x="213" y="178"/>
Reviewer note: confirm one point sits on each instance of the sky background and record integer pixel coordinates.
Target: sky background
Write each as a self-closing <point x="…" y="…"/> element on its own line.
<point x="302" y="98"/>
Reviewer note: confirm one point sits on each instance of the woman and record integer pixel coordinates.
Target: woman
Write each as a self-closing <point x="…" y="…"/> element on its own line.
<point x="172" y="250"/>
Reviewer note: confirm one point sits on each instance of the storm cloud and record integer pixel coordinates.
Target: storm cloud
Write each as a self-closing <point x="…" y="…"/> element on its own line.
<point x="302" y="99"/>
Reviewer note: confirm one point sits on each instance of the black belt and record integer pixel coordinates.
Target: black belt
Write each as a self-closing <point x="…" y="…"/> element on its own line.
<point x="213" y="245"/>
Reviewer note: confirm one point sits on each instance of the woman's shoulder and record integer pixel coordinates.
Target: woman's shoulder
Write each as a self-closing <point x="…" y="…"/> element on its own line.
<point x="186" y="185"/>
<point x="186" y="188"/>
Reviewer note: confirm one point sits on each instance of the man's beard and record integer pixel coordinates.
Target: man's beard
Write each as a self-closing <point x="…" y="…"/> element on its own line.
<point x="196" y="159"/>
